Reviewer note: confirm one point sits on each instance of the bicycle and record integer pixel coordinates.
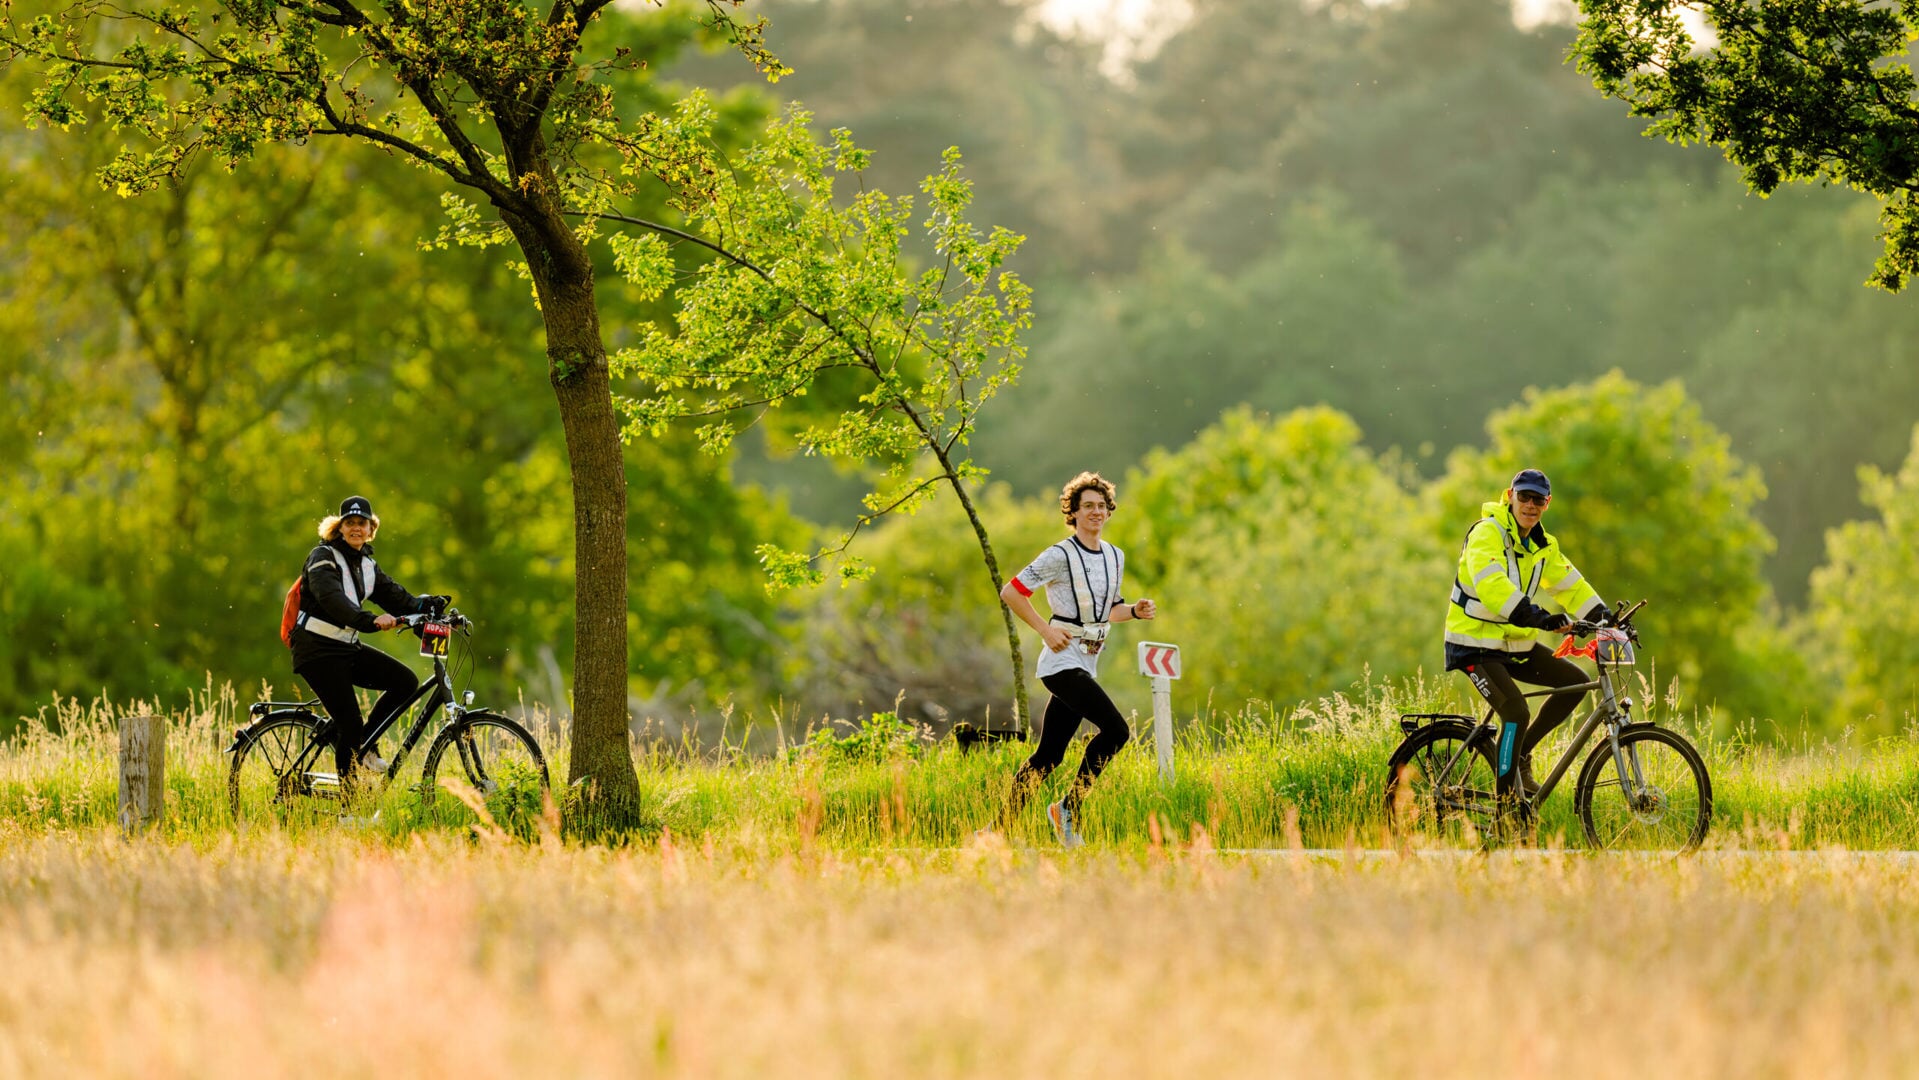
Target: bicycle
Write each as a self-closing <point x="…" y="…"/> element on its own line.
<point x="1441" y="780"/>
<point x="275" y="755"/>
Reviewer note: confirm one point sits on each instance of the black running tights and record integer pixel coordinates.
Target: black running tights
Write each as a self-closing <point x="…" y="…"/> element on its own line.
<point x="1076" y="696"/>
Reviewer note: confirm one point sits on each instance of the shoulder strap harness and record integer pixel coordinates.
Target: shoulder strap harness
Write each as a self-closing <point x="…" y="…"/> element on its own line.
<point x="312" y="623"/>
<point x="1083" y="602"/>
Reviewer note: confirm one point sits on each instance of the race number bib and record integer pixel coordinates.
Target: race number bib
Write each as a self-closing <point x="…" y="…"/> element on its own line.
<point x="435" y="637"/>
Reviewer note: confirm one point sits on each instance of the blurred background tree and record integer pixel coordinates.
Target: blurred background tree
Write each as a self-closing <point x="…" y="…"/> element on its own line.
<point x="1863" y="628"/>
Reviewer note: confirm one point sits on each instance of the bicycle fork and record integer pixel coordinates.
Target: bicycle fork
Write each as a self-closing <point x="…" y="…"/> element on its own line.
<point x="1632" y="778"/>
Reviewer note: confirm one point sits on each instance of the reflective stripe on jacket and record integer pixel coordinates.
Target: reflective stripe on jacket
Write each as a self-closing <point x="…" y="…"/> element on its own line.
<point x="1506" y="583"/>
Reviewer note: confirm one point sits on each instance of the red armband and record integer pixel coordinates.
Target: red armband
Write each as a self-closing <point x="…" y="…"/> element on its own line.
<point x="1021" y="586"/>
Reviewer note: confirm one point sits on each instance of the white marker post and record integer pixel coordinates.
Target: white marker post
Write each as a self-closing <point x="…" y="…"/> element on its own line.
<point x="1159" y="662"/>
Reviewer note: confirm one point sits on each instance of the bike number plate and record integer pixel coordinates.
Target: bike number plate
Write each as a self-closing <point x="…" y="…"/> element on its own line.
<point x="434" y="638"/>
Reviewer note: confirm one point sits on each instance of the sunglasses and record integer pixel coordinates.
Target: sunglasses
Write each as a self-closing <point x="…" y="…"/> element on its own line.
<point x="1532" y="499"/>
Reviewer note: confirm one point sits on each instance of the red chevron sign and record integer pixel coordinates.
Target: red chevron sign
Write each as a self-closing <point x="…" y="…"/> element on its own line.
<point x="1156" y="658"/>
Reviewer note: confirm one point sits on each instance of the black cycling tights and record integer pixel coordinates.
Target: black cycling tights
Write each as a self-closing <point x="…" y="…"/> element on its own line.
<point x="1496" y="682"/>
<point x="1076" y="697"/>
<point x="333" y="679"/>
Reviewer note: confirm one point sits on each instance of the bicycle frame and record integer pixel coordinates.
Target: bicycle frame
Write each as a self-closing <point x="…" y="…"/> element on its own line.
<point x="437" y="692"/>
<point x="1612" y="709"/>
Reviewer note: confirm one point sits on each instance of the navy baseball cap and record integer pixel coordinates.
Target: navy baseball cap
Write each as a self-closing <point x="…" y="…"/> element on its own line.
<point x="1532" y="480"/>
<point x="356" y="507"/>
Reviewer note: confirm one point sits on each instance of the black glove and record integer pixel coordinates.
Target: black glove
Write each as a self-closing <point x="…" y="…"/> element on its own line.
<point x="434" y="605"/>
<point x="1559" y="622"/>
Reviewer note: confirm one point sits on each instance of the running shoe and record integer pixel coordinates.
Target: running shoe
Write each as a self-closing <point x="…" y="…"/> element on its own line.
<point x="1062" y="818"/>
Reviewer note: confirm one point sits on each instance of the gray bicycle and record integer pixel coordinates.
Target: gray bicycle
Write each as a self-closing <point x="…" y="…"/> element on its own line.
<point x="1642" y="787"/>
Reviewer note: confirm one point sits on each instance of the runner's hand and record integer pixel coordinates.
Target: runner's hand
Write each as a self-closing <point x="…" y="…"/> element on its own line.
<point x="1144" y="609"/>
<point x="1055" y="638"/>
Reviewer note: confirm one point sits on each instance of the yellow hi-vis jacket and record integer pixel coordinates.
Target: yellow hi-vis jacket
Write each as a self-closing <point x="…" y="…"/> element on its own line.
<point x="1509" y="587"/>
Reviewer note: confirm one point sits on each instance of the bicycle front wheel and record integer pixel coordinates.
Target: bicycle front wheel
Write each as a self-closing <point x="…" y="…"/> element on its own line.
<point x="271" y="774"/>
<point x="1440" y="788"/>
<point x="500" y="764"/>
<point x="1654" y="796"/>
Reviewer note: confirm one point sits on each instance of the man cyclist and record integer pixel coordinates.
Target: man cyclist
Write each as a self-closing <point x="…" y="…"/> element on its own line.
<point x="1513" y="581"/>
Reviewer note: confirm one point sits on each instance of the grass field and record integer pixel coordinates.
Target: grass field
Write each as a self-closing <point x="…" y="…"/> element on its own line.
<point x="828" y="912"/>
<point x="1313" y="778"/>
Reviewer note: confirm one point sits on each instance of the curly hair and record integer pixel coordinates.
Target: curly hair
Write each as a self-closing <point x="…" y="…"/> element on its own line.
<point x="330" y="527"/>
<point x="1086" y="481"/>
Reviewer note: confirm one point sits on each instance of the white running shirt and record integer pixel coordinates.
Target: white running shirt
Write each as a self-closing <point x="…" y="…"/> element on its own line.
<point x="1051" y="572"/>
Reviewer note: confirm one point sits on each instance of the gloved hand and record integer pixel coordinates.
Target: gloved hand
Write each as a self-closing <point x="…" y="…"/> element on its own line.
<point x="435" y="605"/>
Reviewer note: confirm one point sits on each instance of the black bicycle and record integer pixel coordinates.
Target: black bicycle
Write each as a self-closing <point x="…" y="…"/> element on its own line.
<point x="1643" y="786"/>
<point x="276" y="757"/>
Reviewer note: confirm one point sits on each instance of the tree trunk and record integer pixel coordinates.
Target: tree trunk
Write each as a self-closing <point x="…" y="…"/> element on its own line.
<point x="1021" y="715"/>
<point x="602" y="760"/>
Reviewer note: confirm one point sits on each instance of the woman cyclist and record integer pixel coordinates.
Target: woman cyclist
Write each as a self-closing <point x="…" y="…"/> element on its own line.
<point x="1081" y="575"/>
<point x="340" y="575"/>
<point x="1513" y="582"/>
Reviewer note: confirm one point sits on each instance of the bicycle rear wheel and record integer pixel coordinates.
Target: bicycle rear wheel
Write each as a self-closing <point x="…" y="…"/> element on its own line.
<point x="271" y="774"/>
<point x="498" y="760"/>
<point x="1441" y="790"/>
<point x="1663" y="803"/>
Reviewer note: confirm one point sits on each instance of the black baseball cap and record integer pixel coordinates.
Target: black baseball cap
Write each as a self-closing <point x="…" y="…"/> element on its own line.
<point x="1532" y="480"/>
<point x="356" y="506"/>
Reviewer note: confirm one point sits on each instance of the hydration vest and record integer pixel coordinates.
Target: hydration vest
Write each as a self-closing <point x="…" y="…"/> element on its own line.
<point x="1091" y="633"/>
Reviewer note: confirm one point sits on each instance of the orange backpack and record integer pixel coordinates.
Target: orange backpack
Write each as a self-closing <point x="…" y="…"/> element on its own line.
<point x="290" y="614"/>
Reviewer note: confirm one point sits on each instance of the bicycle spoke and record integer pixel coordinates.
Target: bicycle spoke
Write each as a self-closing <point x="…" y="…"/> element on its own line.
<point x="1666" y="809"/>
<point x="280" y="749"/>
<point x="498" y="760"/>
<point x="1440" y="787"/>
<point x="265" y="775"/>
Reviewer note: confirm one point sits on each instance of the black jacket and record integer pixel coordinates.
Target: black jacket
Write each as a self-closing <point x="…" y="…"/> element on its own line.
<point x="324" y="595"/>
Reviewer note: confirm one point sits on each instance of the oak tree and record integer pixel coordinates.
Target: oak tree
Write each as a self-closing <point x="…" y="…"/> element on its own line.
<point x="1791" y="90"/>
<point x="512" y="102"/>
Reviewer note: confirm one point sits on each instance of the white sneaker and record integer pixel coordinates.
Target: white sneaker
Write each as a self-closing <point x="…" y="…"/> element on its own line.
<point x="1062" y="818"/>
<point x="360" y="821"/>
<point x="375" y="762"/>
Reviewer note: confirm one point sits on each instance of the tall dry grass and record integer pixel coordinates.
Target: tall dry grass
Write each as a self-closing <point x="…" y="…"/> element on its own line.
<point x="266" y="956"/>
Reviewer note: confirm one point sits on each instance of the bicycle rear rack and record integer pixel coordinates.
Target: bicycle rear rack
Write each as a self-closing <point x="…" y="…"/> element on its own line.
<point x="1409" y="722"/>
<point x="261" y="708"/>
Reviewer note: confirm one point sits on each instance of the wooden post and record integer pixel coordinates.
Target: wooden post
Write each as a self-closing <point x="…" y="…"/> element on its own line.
<point x="143" y="772"/>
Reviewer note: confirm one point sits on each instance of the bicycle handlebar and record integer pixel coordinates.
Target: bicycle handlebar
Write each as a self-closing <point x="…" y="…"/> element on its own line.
<point x="451" y="617"/>
<point x="1620" y="619"/>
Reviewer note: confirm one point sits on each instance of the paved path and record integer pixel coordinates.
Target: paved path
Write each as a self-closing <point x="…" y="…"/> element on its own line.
<point x="1733" y="855"/>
